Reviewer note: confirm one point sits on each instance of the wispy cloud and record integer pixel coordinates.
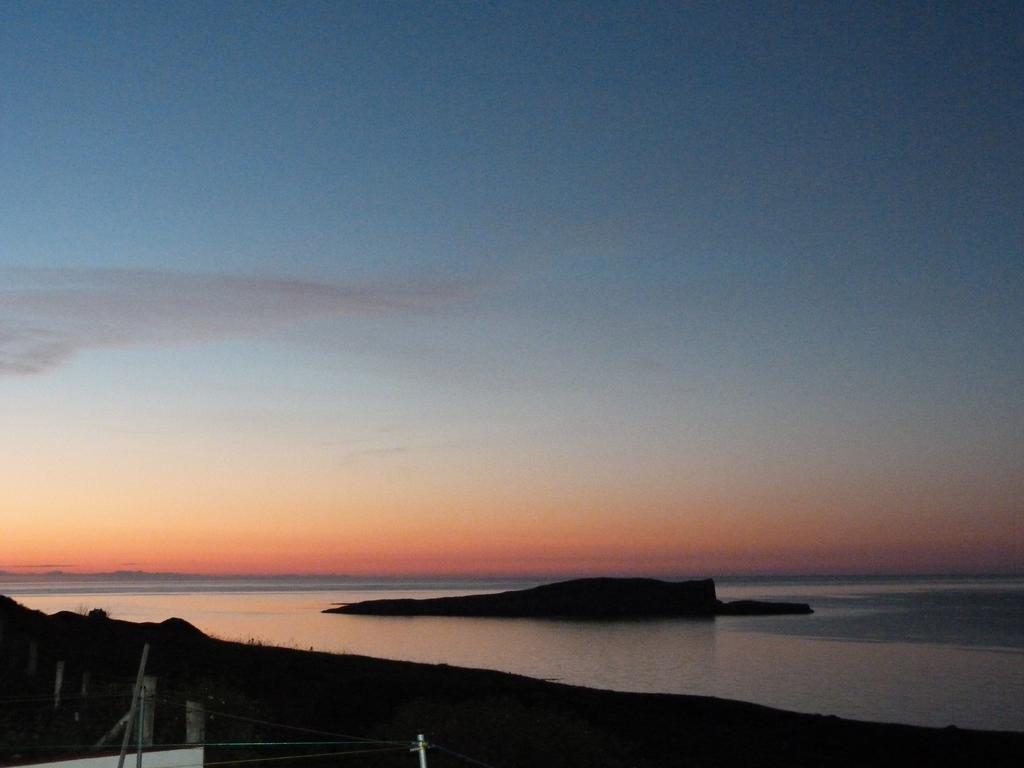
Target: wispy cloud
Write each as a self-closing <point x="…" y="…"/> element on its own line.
<point x="353" y="456"/>
<point x="47" y="315"/>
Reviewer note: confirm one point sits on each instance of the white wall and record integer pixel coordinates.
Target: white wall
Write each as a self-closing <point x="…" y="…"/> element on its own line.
<point x="168" y="758"/>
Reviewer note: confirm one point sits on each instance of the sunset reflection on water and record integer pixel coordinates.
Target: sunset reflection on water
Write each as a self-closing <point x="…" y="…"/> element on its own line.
<point x="831" y="662"/>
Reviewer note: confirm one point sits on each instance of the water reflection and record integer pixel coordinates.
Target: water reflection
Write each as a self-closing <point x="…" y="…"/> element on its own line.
<point x="621" y="655"/>
<point x="917" y="655"/>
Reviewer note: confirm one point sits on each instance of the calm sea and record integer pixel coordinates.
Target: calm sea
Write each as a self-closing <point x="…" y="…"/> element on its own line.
<point x="927" y="651"/>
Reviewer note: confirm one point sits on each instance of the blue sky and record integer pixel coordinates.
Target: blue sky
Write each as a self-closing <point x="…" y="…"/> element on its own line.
<point x="762" y="258"/>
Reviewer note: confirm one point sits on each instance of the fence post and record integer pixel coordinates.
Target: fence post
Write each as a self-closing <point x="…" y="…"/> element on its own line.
<point x="195" y="722"/>
<point x="149" y="708"/>
<point x="58" y="683"/>
<point x="83" y="694"/>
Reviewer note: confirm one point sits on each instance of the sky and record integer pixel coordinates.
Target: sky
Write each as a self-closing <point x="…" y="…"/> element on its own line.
<point x="512" y="288"/>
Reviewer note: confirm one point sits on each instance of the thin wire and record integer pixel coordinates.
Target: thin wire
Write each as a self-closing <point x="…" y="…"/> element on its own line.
<point x="291" y="757"/>
<point x="273" y="744"/>
<point x="303" y="757"/>
<point x="70" y="697"/>
<point x="180" y="745"/>
<point x="15" y="712"/>
<point x="298" y="728"/>
<point x="41" y="707"/>
<point x="459" y="755"/>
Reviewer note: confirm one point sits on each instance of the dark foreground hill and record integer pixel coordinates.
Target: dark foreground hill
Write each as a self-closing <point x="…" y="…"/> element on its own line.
<point x="503" y="720"/>
<point x="605" y="598"/>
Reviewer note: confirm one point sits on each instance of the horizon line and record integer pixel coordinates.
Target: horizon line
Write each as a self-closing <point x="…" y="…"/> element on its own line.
<point x="267" y="575"/>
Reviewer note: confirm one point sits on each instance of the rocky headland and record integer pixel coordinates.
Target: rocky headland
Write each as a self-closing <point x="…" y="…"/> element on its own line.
<point x="595" y="598"/>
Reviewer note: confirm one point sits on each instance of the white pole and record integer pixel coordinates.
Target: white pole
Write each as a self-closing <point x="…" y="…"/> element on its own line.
<point x="422" y="747"/>
<point x="122" y="723"/>
<point x="138" y="730"/>
<point x="130" y="717"/>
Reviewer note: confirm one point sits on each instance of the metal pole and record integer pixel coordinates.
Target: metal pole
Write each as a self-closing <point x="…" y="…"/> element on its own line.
<point x="421" y="746"/>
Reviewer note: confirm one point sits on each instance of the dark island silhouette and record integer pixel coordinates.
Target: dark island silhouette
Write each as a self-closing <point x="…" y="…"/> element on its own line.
<point x="601" y="598"/>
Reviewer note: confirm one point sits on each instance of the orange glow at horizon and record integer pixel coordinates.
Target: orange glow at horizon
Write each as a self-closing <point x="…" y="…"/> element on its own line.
<point x="226" y="507"/>
<point x="690" y="541"/>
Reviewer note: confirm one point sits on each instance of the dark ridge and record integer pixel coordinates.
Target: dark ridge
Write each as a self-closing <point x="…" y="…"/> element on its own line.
<point x="603" y="598"/>
<point x="180" y="627"/>
<point x="500" y="719"/>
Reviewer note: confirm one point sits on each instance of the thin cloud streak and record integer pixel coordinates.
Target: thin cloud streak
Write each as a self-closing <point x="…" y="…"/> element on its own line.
<point x="355" y="456"/>
<point x="40" y="565"/>
<point x="48" y="315"/>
